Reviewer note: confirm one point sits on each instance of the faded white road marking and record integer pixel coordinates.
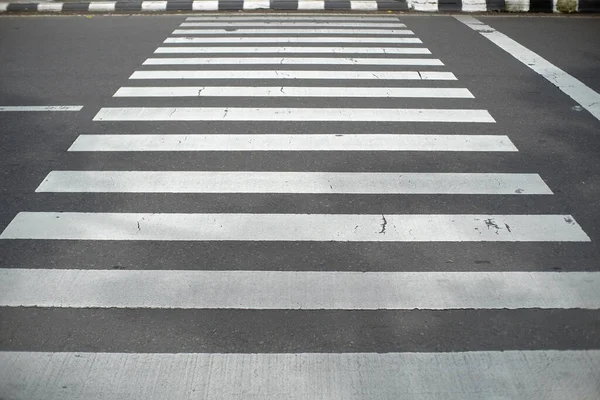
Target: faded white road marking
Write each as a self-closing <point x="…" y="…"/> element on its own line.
<point x="292" y="114"/>
<point x="295" y="227"/>
<point x="577" y="90"/>
<point x="292" y="61"/>
<point x="292" y="182"/>
<point x="278" y="142"/>
<point x="292" y="91"/>
<point x="40" y="108"/>
<point x="285" y="74"/>
<point x="281" y="40"/>
<point x="286" y="50"/>
<point x="305" y="290"/>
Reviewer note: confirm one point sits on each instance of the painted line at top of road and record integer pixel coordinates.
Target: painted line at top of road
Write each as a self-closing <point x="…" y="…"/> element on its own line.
<point x="287" y="50"/>
<point x="297" y="290"/>
<point x="39" y="108"/>
<point x="301" y="142"/>
<point x="292" y="61"/>
<point x="295" y="74"/>
<point x="293" y="24"/>
<point x="515" y="375"/>
<point x="294" y="227"/>
<point x="577" y="90"/>
<point x="291" y="31"/>
<point x="270" y="39"/>
<point x="225" y="114"/>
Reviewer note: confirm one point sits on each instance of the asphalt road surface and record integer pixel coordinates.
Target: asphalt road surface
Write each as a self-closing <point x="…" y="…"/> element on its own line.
<point x="301" y="207"/>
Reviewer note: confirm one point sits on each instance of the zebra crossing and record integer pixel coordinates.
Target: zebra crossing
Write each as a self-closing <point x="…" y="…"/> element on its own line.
<point x="245" y="62"/>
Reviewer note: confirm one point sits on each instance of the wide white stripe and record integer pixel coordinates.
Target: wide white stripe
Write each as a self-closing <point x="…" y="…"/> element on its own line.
<point x="49" y="7"/>
<point x="205" y="5"/>
<point x="311" y="5"/>
<point x="294" y="17"/>
<point x="154" y="5"/>
<point x="295" y="227"/>
<point x="291" y="114"/>
<point x="292" y="91"/>
<point x="369" y="5"/>
<point x="288" y="31"/>
<point x="102" y="6"/>
<point x="40" y="108"/>
<point x="291" y="182"/>
<point x="285" y="290"/>
<point x="256" y="4"/>
<point x="577" y="90"/>
<point x="276" y="49"/>
<point x="514" y="375"/>
<point x="275" y="142"/>
<point x="323" y="24"/>
<point x="280" y="40"/>
<point x="292" y="61"/>
<point x="286" y="74"/>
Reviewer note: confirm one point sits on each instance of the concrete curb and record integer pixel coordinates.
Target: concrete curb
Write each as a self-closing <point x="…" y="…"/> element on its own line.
<point x="305" y="5"/>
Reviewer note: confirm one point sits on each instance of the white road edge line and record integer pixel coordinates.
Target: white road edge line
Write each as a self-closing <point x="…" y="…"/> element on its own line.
<point x="302" y="142"/>
<point x="515" y="375"/>
<point x="297" y="290"/>
<point x="293" y="182"/>
<point x="39" y="108"/>
<point x="295" y="227"/>
<point x="574" y="88"/>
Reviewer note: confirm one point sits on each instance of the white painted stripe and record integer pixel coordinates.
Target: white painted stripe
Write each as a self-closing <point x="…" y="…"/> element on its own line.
<point x="294" y="17"/>
<point x="291" y="182"/>
<point x="102" y="6"/>
<point x="3" y="7"/>
<point x="311" y="5"/>
<point x="281" y="40"/>
<point x="577" y="90"/>
<point x="295" y="227"/>
<point x="275" y="142"/>
<point x="363" y="5"/>
<point x="292" y="91"/>
<point x="154" y="5"/>
<point x="277" y="49"/>
<point x="205" y="5"/>
<point x="293" y="290"/>
<point x="474" y="5"/>
<point x="515" y="375"/>
<point x="291" y="114"/>
<point x="291" y="31"/>
<point x="40" y="108"/>
<point x="292" y="61"/>
<point x="49" y="7"/>
<point x="292" y="24"/>
<point x="287" y="74"/>
<point x="256" y="4"/>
